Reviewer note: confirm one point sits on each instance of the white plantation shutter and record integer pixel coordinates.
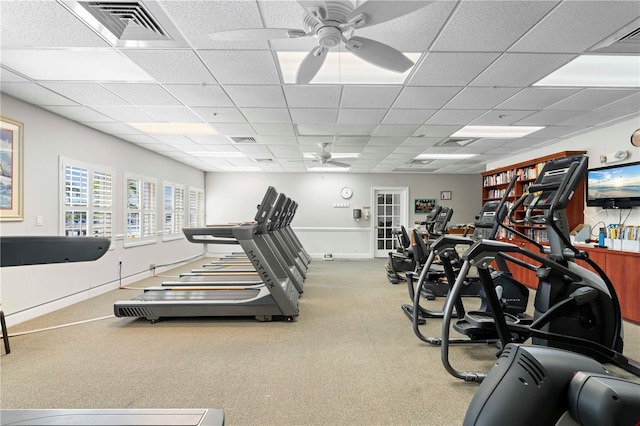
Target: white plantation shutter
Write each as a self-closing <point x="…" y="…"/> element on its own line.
<point x="173" y="211"/>
<point x="141" y="210"/>
<point x="196" y="207"/>
<point x="87" y="208"/>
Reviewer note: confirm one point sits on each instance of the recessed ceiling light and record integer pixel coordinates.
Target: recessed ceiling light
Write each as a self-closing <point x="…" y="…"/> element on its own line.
<point x="213" y="154"/>
<point x="495" y="131"/>
<point x="437" y="156"/>
<point x="342" y="68"/>
<point x="73" y="65"/>
<point x="174" y="128"/>
<point x="596" y="71"/>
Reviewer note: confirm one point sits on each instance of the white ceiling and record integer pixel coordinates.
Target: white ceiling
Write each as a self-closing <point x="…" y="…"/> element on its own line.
<point x="479" y="60"/>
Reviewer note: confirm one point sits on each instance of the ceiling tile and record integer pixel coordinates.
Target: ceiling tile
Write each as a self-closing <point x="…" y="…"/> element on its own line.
<point x="7" y="76"/>
<point x="161" y="65"/>
<point x="593" y="118"/>
<point x="178" y="114"/>
<point x="386" y="140"/>
<point x="125" y="113"/>
<point x="520" y="69"/>
<point x="430" y="130"/>
<point x="314" y="115"/>
<point x="454" y="116"/>
<point x="114" y="128"/>
<point x="142" y="93"/>
<point x="200" y="95"/>
<point x="590" y="99"/>
<point x="424" y="142"/>
<point x="256" y="96"/>
<point x="278" y="140"/>
<point x="451" y="69"/>
<point x="532" y="98"/>
<point x="220" y="115"/>
<point x="267" y="115"/>
<point x="313" y="129"/>
<point x="369" y="96"/>
<point x="79" y="113"/>
<point x="241" y="66"/>
<point x="86" y="93"/>
<point x="395" y="129"/>
<point x="312" y="96"/>
<point x="480" y="97"/>
<point x="360" y="116"/>
<point x="468" y="30"/>
<point x="44" y="24"/>
<point x="500" y="117"/>
<point x="547" y="117"/>
<point x="234" y="129"/>
<point x="558" y="31"/>
<point x="35" y="94"/>
<point x="209" y="139"/>
<point x="408" y="116"/>
<point x="627" y="105"/>
<point x="425" y="97"/>
<point x="194" y="18"/>
<point x="272" y="129"/>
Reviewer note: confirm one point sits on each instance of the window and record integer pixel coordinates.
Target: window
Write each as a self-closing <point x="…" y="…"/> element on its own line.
<point x="141" y="210"/>
<point x="196" y="208"/>
<point x="173" y="211"/>
<point x="87" y="207"/>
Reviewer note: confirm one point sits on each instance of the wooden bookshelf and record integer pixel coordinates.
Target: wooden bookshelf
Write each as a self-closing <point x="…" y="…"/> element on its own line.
<point x="621" y="267"/>
<point x="495" y="182"/>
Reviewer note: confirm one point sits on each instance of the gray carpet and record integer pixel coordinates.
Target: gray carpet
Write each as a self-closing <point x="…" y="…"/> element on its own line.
<point x="350" y="358"/>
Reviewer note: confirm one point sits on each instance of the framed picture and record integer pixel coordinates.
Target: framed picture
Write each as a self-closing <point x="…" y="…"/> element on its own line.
<point x="424" y="205"/>
<point x="445" y="195"/>
<point x="11" y="185"/>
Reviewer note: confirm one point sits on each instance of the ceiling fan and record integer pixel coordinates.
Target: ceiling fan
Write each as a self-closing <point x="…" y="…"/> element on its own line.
<point x="325" y="157"/>
<point x="333" y="22"/>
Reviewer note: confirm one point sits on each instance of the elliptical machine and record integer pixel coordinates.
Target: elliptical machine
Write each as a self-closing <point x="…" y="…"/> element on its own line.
<point x="575" y="309"/>
<point x="513" y="295"/>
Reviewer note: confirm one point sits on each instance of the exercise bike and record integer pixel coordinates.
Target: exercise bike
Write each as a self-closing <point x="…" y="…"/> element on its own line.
<point x="575" y="309"/>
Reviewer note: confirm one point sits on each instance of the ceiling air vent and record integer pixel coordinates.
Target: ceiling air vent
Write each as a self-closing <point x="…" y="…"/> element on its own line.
<point x="457" y="142"/>
<point x="129" y="23"/>
<point x="242" y="139"/>
<point x="420" y="162"/>
<point x="264" y="160"/>
<point x="627" y="40"/>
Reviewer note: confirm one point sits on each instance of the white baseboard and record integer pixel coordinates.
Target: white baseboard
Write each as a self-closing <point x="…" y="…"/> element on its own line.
<point x="320" y="256"/>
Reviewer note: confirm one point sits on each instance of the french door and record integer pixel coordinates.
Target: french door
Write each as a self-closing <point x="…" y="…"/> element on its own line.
<point x="389" y="212"/>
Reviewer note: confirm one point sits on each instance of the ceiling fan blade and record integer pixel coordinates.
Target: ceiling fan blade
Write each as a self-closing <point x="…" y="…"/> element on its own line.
<point x="379" y="54"/>
<point x="338" y="163"/>
<point x="310" y="65"/>
<point x="376" y="12"/>
<point x="251" y="34"/>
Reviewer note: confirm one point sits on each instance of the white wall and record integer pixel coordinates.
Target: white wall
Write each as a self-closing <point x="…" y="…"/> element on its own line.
<point x="29" y="291"/>
<point x="232" y="197"/>
<point x="602" y="141"/>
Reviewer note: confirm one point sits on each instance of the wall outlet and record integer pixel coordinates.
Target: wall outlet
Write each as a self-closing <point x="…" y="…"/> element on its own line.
<point x="152" y="267"/>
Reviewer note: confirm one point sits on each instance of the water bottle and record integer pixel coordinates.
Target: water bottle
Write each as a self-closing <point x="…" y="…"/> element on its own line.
<point x="601" y="236"/>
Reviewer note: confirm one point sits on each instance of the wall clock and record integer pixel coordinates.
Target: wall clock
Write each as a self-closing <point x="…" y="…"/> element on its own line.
<point x="346" y="192"/>
<point x="635" y="138"/>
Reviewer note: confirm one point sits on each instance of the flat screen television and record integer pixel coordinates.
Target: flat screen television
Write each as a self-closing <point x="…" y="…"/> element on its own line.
<point x="614" y="187"/>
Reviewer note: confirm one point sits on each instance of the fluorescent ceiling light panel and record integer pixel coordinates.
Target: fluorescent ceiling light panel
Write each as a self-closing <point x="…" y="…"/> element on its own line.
<point x="596" y="71"/>
<point x="495" y="131"/>
<point x="174" y="128"/>
<point x="327" y="169"/>
<point x="342" y="68"/>
<point x="212" y="154"/>
<point x="436" y="156"/>
<point x="73" y="65"/>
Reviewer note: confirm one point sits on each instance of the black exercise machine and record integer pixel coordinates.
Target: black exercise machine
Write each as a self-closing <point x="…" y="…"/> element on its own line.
<point x="575" y="309"/>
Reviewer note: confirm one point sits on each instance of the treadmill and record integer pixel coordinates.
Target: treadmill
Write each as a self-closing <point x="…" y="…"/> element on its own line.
<point x="267" y="237"/>
<point x="37" y="250"/>
<point x="277" y="297"/>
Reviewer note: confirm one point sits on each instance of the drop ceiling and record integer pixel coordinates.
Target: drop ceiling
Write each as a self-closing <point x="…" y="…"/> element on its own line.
<point x="477" y="65"/>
